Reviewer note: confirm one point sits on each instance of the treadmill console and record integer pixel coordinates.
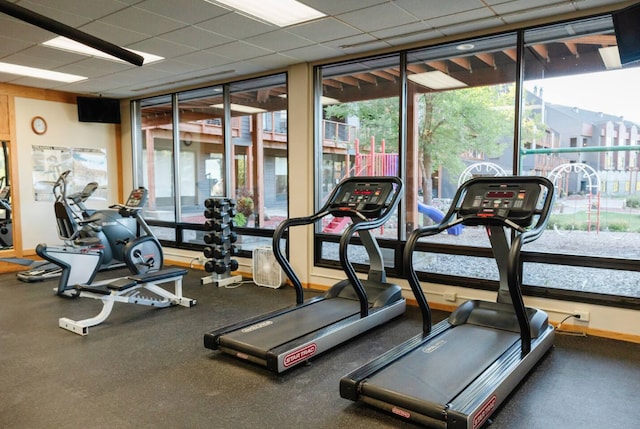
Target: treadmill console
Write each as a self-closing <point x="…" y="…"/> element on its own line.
<point x="516" y="202"/>
<point x="4" y="192"/>
<point x="368" y="198"/>
<point x="137" y="198"/>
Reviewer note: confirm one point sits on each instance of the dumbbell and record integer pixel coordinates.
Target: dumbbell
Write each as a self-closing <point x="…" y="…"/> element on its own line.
<point x="218" y="238"/>
<point x="219" y="226"/>
<point x="221" y="267"/>
<point x="219" y="252"/>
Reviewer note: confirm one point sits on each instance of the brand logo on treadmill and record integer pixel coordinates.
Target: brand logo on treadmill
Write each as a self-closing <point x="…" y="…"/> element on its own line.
<point x="433" y="347"/>
<point x="299" y="355"/>
<point x="257" y="326"/>
<point x="483" y="413"/>
<point x="400" y="412"/>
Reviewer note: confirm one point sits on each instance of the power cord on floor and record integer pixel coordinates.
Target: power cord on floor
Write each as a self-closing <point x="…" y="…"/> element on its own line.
<point x="238" y="284"/>
<point x="559" y="329"/>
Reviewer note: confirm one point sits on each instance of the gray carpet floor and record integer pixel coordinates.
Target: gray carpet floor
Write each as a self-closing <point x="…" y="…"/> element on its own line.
<point x="148" y="368"/>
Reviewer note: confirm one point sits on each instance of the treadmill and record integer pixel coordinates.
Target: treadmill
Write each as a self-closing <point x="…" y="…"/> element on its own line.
<point x="456" y="374"/>
<point x="282" y="339"/>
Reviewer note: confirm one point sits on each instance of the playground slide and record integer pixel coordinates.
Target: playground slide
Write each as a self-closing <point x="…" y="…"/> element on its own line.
<point x="437" y="216"/>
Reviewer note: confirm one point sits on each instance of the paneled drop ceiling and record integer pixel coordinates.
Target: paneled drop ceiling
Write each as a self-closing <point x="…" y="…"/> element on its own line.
<point x="202" y="42"/>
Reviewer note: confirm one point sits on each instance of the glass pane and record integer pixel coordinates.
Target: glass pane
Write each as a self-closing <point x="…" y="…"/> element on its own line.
<point x="360" y="128"/>
<point x="460" y="117"/>
<point x="200" y="113"/>
<point x="582" y="130"/>
<point x="585" y="137"/>
<point x="259" y="143"/>
<point x="155" y="156"/>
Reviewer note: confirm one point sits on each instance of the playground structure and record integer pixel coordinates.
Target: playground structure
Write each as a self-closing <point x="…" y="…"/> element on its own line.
<point x="379" y="163"/>
<point x="480" y="169"/>
<point x="560" y="177"/>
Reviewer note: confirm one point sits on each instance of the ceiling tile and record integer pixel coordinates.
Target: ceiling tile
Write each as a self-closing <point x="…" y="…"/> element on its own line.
<point x="161" y="47"/>
<point x="239" y="51"/>
<point x="336" y="7"/>
<point x="278" y="41"/>
<point x="323" y="30"/>
<point x="377" y="17"/>
<point x="196" y="11"/>
<point x="313" y="53"/>
<point x="236" y="26"/>
<point x="132" y="17"/>
<point x="196" y="37"/>
<point x="113" y="34"/>
<point x="429" y="9"/>
<point x="204" y="59"/>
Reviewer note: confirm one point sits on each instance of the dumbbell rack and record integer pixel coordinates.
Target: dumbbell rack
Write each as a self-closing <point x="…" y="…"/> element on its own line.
<point x="220" y="237"/>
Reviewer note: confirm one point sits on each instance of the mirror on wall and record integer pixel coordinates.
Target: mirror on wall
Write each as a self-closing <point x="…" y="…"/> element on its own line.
<point x="6" y="224"/>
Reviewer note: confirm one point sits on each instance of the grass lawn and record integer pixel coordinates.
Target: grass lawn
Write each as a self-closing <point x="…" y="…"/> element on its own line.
<point x="613" y="221"/>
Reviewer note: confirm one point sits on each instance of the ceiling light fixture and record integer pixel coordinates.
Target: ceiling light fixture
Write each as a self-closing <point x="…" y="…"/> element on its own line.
<point x="69" y="45"/>
<point x="279" y="12"/>
<point x="465" y="47"/>
<point x="610" y="57"/>
<point x="39" y="73"/>
<point x="323" y="100"/>
<point x="240" y="108"/>
<point x="436" y="80"/>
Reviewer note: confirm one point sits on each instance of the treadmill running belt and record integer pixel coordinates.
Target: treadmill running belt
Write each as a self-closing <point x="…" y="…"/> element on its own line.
<point x="286" y="327"/>
<point x="436" y="372"/>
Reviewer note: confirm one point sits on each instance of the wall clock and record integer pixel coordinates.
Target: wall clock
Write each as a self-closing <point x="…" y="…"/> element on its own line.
<point x="39" y="125"/>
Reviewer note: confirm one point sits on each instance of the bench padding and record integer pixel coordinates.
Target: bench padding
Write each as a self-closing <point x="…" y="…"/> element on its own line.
<point x="154" y="276"/>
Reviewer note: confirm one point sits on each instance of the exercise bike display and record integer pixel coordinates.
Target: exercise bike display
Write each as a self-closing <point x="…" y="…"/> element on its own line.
<point x="111" y="229"/>
<point x="457" y="373"/>
<point x="288" y="337"/>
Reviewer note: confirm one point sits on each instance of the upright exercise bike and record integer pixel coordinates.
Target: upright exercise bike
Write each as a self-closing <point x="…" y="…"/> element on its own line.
<point x="112" y="229"/>
<point x="82" y="256"/>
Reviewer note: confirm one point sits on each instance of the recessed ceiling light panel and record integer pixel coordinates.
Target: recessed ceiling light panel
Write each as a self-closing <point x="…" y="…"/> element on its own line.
<point x="279" y="12"/>
<point x="39" y="73"/>
<point x="69" y="45"/>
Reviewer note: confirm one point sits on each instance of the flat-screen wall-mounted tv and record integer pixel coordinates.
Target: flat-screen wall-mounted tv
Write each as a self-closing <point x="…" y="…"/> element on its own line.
<point x="626" y="23"/>
<point x="98" y="109"/>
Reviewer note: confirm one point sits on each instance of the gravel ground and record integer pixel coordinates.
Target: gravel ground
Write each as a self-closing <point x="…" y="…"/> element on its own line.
<point x="605" y="244"/>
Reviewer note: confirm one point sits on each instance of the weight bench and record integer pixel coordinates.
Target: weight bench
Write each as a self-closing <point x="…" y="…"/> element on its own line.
<point x="128" y="290"/>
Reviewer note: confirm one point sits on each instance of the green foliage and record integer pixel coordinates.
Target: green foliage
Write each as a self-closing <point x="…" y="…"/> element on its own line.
<point x="244" y="207"/>
<point x="378" y="118"/>
<point x="609" y="221"/>
<point x="633" y="202"/>
<point x="239" y="219"/>
<point x="618" y="226"/>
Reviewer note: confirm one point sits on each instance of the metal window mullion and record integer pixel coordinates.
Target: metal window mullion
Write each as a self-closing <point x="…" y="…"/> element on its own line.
<point x="226" y="126"/>
<point x="175" y="116"/>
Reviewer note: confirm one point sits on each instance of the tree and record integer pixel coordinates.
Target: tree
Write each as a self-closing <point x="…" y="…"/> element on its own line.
<point x="377" y="118"/>
<point x="453" y="122"/>
<point x="449" y="124"/>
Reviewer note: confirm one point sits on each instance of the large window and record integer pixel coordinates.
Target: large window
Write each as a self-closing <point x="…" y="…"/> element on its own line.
<point x="586" y="142"/>
<point x="230" y="141"/>
<point x="359" y="135"/>
<point x="548" y="101"/>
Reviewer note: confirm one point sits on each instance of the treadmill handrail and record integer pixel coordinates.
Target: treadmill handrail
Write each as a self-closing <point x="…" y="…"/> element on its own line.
<point x="282" y="260"/>
<point x="360" y="222"/>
